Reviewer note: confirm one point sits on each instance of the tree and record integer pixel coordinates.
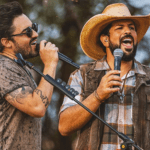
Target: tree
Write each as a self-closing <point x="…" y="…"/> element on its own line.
<point x="61" y="21"/>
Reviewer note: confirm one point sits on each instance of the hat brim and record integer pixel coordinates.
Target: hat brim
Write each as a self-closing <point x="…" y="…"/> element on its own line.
<point x="94" y="26"/>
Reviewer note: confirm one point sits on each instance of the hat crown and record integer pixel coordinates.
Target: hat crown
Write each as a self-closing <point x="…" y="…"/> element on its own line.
<point x="117" y="9"/>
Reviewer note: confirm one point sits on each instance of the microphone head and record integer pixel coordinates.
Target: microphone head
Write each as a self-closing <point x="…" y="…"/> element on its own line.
<point x="118" y="52"/>
<point x="37" y="47"/>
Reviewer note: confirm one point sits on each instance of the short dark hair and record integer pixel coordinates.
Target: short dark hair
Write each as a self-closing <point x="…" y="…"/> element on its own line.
<point x="8" y="12"/>
<point x="105" y="32"/>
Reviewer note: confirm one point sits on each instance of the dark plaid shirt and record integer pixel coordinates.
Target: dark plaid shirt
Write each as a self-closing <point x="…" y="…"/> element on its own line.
<point x="118" y="110"/>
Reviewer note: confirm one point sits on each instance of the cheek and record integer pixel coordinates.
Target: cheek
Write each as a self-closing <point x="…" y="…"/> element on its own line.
<point x="134" y="34"/>
<point x="23" y="43"/>
<point x="25" y="40"/>
<point x="115" y="39"/>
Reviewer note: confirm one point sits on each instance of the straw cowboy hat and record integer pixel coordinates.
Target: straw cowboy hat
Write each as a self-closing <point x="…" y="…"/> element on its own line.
<point x="94" y="26"/>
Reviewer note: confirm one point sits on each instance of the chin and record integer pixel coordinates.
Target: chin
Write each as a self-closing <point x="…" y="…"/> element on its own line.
<point x="128" y="57"/>
<point x="30" y="55"/>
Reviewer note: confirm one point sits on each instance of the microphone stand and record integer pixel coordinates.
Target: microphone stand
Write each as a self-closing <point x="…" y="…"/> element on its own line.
<point x="67" y="59"/>
<point x="71" y="93"/>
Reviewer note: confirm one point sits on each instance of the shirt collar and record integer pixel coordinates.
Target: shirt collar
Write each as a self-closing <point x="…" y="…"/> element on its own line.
<point x="138" y="68"/>
<point x="103" y="65"/>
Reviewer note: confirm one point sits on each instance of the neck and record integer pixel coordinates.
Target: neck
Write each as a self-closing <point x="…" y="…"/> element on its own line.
<point x="8" y="54"/>
<point x="125" y="67"/>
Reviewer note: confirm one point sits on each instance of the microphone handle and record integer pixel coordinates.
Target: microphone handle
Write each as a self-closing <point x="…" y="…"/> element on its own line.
<point x="117" y="63"/>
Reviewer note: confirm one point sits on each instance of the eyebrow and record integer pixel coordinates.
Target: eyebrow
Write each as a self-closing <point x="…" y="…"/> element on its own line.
<point x="26" y="28"/>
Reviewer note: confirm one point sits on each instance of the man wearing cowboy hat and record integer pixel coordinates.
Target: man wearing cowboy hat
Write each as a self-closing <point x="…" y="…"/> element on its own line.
<point x="122" y="101"/>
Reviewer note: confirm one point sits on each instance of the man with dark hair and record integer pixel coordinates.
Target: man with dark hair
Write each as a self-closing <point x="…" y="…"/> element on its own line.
<point x="22" y="102"/>
<point x="122" y="101"/>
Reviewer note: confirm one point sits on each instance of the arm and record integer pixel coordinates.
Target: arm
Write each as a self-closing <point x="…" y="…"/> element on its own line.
<point x="35" y="103"/>
<point x="75" y="117"/>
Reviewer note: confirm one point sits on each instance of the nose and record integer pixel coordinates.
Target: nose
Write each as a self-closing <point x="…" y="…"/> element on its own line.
<point x="35" y="34"/>
<point x="127" y="30"/>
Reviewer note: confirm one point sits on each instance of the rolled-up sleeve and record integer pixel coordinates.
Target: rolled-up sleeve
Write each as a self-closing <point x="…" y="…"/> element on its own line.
<point x="76" y="82"/>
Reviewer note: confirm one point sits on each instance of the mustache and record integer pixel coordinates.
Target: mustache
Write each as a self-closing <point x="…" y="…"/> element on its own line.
<point x="127" y="36"/>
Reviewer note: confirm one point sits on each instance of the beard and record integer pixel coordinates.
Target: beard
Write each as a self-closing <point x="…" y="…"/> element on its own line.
<point x="125" y="56"/>
<point x="26" y="50"/>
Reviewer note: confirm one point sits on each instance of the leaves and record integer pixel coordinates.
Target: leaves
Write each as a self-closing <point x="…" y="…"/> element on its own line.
<point x="61" y="21"/>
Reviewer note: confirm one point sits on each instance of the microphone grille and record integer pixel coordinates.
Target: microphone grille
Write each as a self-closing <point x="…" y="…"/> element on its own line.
<point x="118" y="52"/>
<point x="37" y="47"/>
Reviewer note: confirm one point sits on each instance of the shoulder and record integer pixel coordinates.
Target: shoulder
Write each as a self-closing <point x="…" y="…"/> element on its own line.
<point x="83" y="68"/>
<point x="86" y="67"/>
<point x="11" y="73"/>
<point x="146" y="68"/>
<point x="9" y="67"/>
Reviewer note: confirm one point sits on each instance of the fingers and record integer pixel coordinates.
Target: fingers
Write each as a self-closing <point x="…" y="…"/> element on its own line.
<point x="113" y="72"/>
<point x="42" y="44"/>
<point x="109" y="84"/>
<point x="112" y="90"/>
<point x="48" y="52"/>
<point x="112" y="79"/>
<point x="52" y="46"/>
<point x="45" y="44"/>
<point x="113" y="83"/>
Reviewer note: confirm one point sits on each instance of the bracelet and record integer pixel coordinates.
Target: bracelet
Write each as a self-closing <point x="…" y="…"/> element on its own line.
<point x="97" y="96"/>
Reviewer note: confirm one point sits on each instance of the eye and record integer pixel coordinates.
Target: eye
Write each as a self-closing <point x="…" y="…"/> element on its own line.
<point x="132" y="28"/>
<point x="29" y="29"/>
<point x="118" y="28"/>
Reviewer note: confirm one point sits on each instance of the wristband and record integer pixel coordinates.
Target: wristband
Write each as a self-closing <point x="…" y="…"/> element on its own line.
<point x="97" y="96"/>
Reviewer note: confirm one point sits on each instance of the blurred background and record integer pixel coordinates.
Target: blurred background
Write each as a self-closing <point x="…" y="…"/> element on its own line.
<point x="61" y="21"/>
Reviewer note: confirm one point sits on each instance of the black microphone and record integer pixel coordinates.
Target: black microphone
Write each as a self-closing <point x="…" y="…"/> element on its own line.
<point x="118" y="53"/>
<point x="61" y="57"/>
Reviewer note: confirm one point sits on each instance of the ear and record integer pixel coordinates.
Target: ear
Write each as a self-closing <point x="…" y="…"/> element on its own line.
<point x="6" y="43"/>
<point x="105" y="40"/>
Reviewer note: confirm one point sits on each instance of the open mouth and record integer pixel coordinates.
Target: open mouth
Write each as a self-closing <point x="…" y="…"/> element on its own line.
<point x="127" y="42"/>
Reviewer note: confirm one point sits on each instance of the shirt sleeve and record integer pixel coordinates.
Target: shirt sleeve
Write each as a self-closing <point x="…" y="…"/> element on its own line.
<point x="76" y="82"/>
<point x="12" y="77"/>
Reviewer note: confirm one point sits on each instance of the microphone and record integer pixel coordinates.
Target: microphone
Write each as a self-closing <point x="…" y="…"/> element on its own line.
<point x="118" y="54"/>
<point x="61" y="57"/>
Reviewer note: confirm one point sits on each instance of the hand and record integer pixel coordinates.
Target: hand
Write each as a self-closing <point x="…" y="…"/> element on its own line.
<point x="48" y="52"/>
<point x="106" y="86"/>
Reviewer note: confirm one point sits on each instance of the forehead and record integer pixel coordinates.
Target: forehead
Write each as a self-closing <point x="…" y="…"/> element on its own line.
<point x="122" y="22"/>
<point x="21" y="22"/>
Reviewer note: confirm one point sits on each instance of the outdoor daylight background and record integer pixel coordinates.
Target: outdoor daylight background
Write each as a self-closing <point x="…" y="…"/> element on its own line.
<point x="61" y="21"/>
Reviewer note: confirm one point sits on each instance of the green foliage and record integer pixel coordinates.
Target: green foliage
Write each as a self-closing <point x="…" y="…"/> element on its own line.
<point x="61" y="21"/>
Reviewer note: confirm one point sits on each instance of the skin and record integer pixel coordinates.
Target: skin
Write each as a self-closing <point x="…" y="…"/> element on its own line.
<point x="75" y="117"/>
<point x="118" y="30"/>
<point x="33" y="103"/>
